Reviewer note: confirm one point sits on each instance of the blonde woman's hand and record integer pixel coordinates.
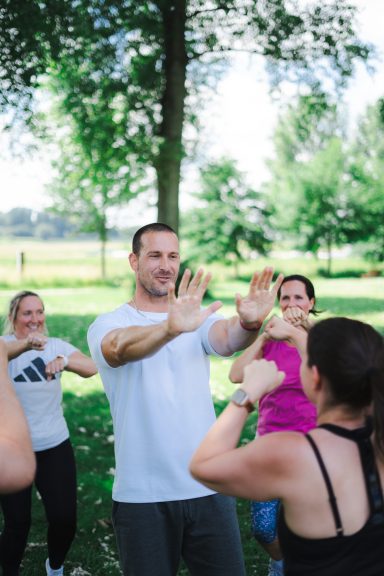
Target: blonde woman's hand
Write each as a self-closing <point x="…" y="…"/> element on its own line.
<point x="36" y="341"/>
<point x="55" y="366"/>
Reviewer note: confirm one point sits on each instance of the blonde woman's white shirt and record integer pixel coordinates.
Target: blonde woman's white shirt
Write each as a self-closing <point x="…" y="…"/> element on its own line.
<point x="41" y="398"/>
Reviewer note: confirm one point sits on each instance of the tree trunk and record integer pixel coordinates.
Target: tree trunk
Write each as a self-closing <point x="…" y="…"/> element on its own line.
<point x="168" y="162"/>
<point x="329" y="250"/>
<point x="102" y="258"/>
<point x="103" y="236"/>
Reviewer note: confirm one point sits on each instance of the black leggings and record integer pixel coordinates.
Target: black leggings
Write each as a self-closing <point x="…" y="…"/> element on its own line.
<point x="56" y="482"/>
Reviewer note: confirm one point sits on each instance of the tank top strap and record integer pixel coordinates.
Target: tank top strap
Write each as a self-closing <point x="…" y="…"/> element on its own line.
<point x="362" y="433"/>
<point x="331" y="494"/>
<point x="362" y="437"/>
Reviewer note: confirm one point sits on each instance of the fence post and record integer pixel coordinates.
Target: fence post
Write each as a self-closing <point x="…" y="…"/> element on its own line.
<point x="20" y="263"/>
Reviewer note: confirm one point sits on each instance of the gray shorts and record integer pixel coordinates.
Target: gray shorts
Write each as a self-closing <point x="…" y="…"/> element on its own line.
<point x="152" y="538"/>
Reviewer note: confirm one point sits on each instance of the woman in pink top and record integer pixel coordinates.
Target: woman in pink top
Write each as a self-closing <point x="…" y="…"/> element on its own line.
<point x="286" y="407"/>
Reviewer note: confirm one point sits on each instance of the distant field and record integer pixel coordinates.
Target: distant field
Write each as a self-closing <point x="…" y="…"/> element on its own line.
<point x="67" y="274"/>
<point x="76" y="263"/>
<point x="60" y="263"/>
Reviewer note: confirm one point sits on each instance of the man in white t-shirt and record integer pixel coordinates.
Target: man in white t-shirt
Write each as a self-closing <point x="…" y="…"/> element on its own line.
<point x="153" y="357"/>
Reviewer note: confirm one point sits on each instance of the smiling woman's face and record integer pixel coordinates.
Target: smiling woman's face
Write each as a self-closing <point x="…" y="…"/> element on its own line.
<point x="293" y="293"/>
<point x="30" y="317"/>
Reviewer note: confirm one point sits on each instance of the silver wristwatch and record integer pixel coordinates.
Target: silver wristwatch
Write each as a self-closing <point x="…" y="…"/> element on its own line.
<point x="241" y="398"/>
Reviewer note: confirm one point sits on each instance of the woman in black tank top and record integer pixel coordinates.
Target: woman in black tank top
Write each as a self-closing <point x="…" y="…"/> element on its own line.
<point x="331" y="480"/>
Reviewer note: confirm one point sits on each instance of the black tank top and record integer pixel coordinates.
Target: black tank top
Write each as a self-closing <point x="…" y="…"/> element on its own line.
<point x="358" y="554"/>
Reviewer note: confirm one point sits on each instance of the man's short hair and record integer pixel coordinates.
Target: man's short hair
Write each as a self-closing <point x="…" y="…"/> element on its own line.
<point x="153" y="227"/>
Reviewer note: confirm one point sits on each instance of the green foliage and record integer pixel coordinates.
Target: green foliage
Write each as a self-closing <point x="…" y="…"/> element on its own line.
<point x="122" y="72"/>
<point x="309" y="172"/>
<point x="303" y="129"/>
<point x="366" y="173"/>
<point x="31" y="33"/>
<point x="231" y="220"/>
<point x="324" y="213"/>
<point x="331" y="185"/>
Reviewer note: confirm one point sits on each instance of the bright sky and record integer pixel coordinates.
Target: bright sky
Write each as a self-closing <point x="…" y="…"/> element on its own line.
<point x="240" y="119"/>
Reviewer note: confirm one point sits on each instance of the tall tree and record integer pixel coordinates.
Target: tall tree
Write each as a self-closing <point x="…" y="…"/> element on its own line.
<point x="230" y="220"/>
<point x="309" y="186"/>
<point x="159" y="51"/>
<point x="324" y="217"/>
<point x="96" y="170"/>
<point x="366" y="173"/>
<point x="305" y="127"/>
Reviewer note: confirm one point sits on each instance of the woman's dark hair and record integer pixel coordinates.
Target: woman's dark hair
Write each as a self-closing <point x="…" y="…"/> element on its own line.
<point x="309" y="289"/>
<point x="153" y="227"/>
<point x="9" y="323"/>
<point x="350" y="355"/>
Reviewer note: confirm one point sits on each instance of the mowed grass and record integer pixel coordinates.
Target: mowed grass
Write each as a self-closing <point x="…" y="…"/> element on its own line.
<point x="72" y="302"/>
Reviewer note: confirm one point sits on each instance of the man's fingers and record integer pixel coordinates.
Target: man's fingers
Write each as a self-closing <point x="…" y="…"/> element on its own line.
<point x="261" y="280"/>
<point x="266" y="278"/>
<point x="204" y="284"/>
<point x="190" y="286"/>
<point x="277" y="284"/>
<point x="198" y="284"/>
<point x="256" y="282"/>
<point x="171" y="292"/>
<point x="183" y="282"/>
<point x="194" y="283"/>
<point x="211" y="309"/>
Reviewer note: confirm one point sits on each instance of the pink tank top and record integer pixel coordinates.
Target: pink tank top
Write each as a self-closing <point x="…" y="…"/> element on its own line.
<point x="287" y="407"/>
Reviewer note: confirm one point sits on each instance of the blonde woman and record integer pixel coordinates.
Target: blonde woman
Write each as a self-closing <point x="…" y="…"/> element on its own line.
<point x="36" y="363"/>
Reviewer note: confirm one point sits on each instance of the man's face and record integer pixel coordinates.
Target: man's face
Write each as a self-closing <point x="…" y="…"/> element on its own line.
<point x="157" y="263"/>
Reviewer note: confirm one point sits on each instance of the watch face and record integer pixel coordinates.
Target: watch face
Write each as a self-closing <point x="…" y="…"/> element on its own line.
<point x="239" y="397"/>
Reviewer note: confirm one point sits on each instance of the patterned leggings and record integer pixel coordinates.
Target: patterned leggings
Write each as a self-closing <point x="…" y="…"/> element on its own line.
<point x="264" y="520"/>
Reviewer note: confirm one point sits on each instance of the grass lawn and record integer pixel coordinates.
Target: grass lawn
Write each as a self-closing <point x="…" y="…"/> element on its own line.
<point x="69" y="312"/>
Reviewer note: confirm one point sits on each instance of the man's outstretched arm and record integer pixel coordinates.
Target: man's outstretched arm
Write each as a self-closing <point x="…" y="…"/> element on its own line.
<point x="185" y="314"/>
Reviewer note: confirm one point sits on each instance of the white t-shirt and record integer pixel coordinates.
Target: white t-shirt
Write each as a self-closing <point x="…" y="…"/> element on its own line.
<point x="161" y="408"/>
<point x="39" y="397"/>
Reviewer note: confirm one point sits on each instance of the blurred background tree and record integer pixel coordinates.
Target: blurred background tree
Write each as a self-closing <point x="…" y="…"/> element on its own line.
<point x="230" y="220"/>
<point x="366" y="183"/>
<point x="147" y="62"/>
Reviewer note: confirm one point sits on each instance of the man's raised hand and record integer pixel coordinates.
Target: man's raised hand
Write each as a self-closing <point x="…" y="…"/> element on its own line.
<point x="255" y="307"/>
<point x="184" y="310"/>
